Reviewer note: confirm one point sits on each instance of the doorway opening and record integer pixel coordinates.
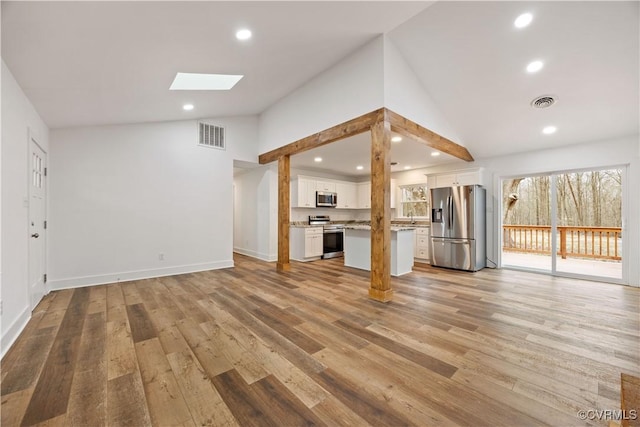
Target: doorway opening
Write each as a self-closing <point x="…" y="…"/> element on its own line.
<point x="565" y="224"/>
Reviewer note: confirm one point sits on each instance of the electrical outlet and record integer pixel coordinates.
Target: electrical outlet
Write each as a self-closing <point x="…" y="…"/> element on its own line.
<point x="161" y="257"/>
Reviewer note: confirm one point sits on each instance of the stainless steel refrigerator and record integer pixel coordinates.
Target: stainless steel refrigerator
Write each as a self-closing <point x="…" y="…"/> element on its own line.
<point x="458" y="227"/>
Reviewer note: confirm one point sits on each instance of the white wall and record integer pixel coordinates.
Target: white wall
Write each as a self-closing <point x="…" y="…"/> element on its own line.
<point x="122" y="195"/>
<point x="255" y="218"/>
<point x="405" y="95"/>
<point x="347" y="90"/>
<point x="616" y="152"/>
<point x="18" y="116"/>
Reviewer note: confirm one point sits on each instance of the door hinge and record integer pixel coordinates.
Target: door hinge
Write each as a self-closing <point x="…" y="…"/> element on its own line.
<point x="45" y="225"/>
<point x="45" y="171"/>
<point x="45" y="278"/>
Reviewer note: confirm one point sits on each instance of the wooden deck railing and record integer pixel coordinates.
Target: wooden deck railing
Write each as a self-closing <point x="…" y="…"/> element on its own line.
<point x="575" y="242"/>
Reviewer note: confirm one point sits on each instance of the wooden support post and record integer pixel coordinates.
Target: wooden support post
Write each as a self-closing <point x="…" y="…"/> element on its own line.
<point x="284" y="175"/>
<point x="380" y="289"/>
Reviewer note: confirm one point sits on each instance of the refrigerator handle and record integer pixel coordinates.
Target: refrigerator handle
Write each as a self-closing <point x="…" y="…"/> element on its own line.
<point x="449" y="212"/>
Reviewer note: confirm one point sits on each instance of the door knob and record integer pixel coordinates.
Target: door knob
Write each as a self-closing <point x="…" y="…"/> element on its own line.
<point x="36" y="235"/>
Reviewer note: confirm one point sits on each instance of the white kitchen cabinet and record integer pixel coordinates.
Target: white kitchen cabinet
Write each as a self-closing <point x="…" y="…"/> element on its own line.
<point x="327" y="186"/>
<point x="394" y="194"/>
<point x="364" y="195"/>
<point x="306" y="243"/>
<point x="463" y="177"/>
<point x="421" y="246"/>
<point x="303" y="193"/>
<point x="357" y="249"/>
<point x="347" y="195"/>
<point x="351" y="195"/>
<point x="313" y="242"/>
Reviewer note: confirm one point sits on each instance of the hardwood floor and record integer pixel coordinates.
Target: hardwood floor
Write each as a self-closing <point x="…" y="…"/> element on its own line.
<point x="253" y="346"/>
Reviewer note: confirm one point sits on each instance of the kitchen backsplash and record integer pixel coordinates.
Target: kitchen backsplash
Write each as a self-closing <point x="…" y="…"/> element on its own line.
<point x="302" y="214"/>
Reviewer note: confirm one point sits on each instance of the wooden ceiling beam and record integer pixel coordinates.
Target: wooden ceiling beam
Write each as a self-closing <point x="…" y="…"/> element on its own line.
<point x="380" y="123"/>
<point x="344" y="130"/>
<point x="410" y="129"/>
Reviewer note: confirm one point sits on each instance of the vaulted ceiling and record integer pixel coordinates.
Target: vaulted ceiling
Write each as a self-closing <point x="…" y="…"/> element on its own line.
<point x="88" y="63"/>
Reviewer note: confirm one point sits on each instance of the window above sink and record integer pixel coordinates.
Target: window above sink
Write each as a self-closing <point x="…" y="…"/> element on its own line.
<point x="414" y="202"/>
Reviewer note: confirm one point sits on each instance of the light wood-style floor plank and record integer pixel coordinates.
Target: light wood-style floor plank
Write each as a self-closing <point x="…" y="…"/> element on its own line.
<point x="252" y="346"/>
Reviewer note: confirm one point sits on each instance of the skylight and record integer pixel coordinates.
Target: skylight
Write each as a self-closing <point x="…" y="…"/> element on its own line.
<point x="193" y="81"/>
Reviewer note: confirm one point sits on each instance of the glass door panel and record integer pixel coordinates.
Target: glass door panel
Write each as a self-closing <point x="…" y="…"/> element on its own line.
<point x="589" y="223"/>
<point x="526" y="219"/>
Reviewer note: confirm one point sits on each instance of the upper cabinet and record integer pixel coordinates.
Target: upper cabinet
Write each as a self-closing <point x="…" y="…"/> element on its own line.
<point x="462" y="177"/>
<point x="364" y="195"/>
<point x="394" y="193"/>
<point x="351" y="195"/>
<point x="328" y="186"/>
<point x="347" y="195"/>
<point x="303" y="193"/>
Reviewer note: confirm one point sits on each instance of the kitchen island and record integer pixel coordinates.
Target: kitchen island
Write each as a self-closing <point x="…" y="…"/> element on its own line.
<point x="357" y="248"/>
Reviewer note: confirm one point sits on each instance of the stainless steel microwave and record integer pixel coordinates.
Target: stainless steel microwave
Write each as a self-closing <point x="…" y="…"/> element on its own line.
<point x="326" y="199"/>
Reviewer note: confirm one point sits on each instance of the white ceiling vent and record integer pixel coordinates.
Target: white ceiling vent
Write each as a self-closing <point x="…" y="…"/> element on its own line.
<point x="544" y="101"/>
<point x="211" y="136"/>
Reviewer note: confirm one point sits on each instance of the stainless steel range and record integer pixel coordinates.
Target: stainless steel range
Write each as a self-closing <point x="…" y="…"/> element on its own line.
<point x="332" y="236"/>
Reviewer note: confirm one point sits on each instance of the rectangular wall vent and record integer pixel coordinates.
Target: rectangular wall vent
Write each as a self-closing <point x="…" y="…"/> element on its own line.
<point x="211" y="136"/>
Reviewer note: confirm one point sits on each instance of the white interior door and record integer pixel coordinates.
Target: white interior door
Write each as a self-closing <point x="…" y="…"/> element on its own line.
<point x="37" y="231"/>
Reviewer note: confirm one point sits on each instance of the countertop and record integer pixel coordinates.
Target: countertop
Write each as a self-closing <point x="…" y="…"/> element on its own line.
<point x="396" y="224"/>
<point x="368" y="227"/>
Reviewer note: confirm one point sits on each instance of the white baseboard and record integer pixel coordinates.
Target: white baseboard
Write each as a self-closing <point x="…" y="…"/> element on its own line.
<point x="9" y="337"/>
<point x="77" y="282"/>
<point x="254" y="254"/>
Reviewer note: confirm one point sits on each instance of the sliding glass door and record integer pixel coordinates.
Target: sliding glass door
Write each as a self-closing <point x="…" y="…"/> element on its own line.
<point x="566" y="223"/>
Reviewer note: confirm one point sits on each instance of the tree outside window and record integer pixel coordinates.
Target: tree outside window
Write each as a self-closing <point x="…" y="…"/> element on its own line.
<point x="414" y="202"/>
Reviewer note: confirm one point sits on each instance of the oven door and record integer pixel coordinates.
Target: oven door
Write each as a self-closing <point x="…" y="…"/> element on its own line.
<point x="332" y="243"/>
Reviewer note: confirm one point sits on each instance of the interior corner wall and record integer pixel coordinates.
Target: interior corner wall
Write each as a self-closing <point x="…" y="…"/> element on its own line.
<point x="255" y="217"/>
<point x="349" y="89"/>
<point x="404" y="94"/>
<point x="143" y="200"/>
<point x="19" y="117"/>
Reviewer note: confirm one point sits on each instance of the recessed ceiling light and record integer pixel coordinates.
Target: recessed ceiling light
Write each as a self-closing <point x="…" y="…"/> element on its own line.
<point x="534" y="66"/>
<point x="548" y="130"/>
<point x="317" y="159"/>
<point x="407" y="167"/>
<point x="359" y="167"/>
<point x="396" y="139"/>
<point x="243" y="34"/>
<point x="435" y="153"/>
<point x="187" y="107"/>
<point x="523" y="20"/>
<point x="194" y="81"/>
